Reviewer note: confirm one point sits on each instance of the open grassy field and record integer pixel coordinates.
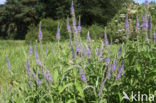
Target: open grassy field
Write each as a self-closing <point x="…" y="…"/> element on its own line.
<point x="60" y="76"/>
<point x="80" y="68"/>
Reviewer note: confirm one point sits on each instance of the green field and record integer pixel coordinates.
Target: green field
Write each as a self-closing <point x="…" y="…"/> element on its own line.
<point x="67" y="85"/>
<point x="45" y="58"/>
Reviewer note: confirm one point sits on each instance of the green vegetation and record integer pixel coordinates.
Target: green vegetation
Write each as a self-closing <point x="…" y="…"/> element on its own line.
<point x="17" y="15"/>
<point x="61" y="61"/>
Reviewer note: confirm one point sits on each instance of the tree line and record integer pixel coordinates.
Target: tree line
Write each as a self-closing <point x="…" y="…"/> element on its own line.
<point x="17" y="15"/>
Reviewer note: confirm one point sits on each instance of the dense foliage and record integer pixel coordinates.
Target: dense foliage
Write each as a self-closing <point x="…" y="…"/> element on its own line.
<point x="116" y="27"/>
<point x="17" y="15"/>
<point x="80" y="69"/>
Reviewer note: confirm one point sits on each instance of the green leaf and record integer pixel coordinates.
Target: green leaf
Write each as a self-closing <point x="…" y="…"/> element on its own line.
<point x="61" y="89"/>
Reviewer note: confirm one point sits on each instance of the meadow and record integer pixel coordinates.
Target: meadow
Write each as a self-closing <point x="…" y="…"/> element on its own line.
<point x="79" y="70"/>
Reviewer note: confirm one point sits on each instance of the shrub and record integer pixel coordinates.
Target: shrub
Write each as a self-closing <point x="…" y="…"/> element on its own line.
<point x="96" y="31"/>
<point x="49" y="28"/>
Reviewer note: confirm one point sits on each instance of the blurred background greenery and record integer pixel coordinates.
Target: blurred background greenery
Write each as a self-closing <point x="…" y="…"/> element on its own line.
<point x="19" y="19"/>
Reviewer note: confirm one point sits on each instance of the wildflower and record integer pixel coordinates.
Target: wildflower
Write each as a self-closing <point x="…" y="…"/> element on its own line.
<point x="96" y="51"/>
<point x="72" y="9"/>
<point x="47" y="76"/>
<point x="82" y="74"/>
<point x="107" y="61"/>
<point x="120" y="51"/>
<point x="84" y="50"/>
<point x="73" y="53"/>
<point x="108" y="71"/>
<point x="108" y="65"/>
<point x="30" y="50"/>
<point x="120" y="70"/>
<point x="145" y="24"/>
<point x="149" y="25"/>
<point x="70" y="40"/>
<point x="40" y="33"/>
<point x="137" y="26"/>
<point x="38" y="81"/>
<point x="79" y="25"/>
<point x="106" y="40"/>
<point x="101" y="87"/>
<point x="101" y="50"/>
<point x="28" y="68"/>
<point x="74" y="26"/>
<point x="78" y="50"/>
<point x="147" y="4"/>
<point x="58" y="33"/>
<point x="88" y="37"/>
<point x="83" y="77"/>
<point x="52" y="50"/>
<point x="37" y="57"/>
<point x="114" y="64"/>
<point x="154" y="37"/>
<point x="88" y="51"/>
<point x="30" y="84"/>
<point x="8" y="63"/>
<point x="126" y="23"/>
<point x="68" y="26"/>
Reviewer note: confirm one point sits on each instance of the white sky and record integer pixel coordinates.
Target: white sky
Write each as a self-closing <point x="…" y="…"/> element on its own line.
<point x="2" y="1"/>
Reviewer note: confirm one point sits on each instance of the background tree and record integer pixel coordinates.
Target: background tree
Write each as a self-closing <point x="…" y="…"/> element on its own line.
<point x="17" y="15"/>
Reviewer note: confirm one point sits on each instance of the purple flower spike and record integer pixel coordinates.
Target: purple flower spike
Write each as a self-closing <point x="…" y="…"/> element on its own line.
<point x="40" y="33"/>
<point x="70" y="40"/>
<point x="84" y="50"/>
<point x="120" y="51"/>
<point x="30" y="84"/>
<point x="74" y="26"/>
<point x="39" y="62"/>
<point x="28" y="68"/>
<point x="126" y="23"/>
<point x="58" y="33"/>
<point x="88" y="51"/>
<point x="73" y="53"/>
<point x="81" y="49"/>
<point x="82" y="73"/>
<point x="109" y="71"/>
<point x="79" y="25"/>
<point x="145" y="24"/>
<point x="72" y="9"/>
<point x="101" y="50"/>
<point x="107" y="61"/>
<point x="37" y="57"/>
<point x="38" y="82"/>
<point x="88" y="38"/>
<point x="47" y="76"/>
<point x="101" y="87"/>
<point x="120" y="70"/>
<point x="137" y="26"/>
<point x="68" y="26"/>
<point x="154" y="37"/>
<point x="114" y="65"/>
<point x="8" y="63"/>
<point x="52" y="50"/>
<point x="97" y="52"/>
<point x="149" y="23"/>
<point x="30" y="50"/>
<point x="83" y="76"/>
<point x="106" y="40"/>
<point x="149" y="26"/>
<point x="147" y="4"/>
